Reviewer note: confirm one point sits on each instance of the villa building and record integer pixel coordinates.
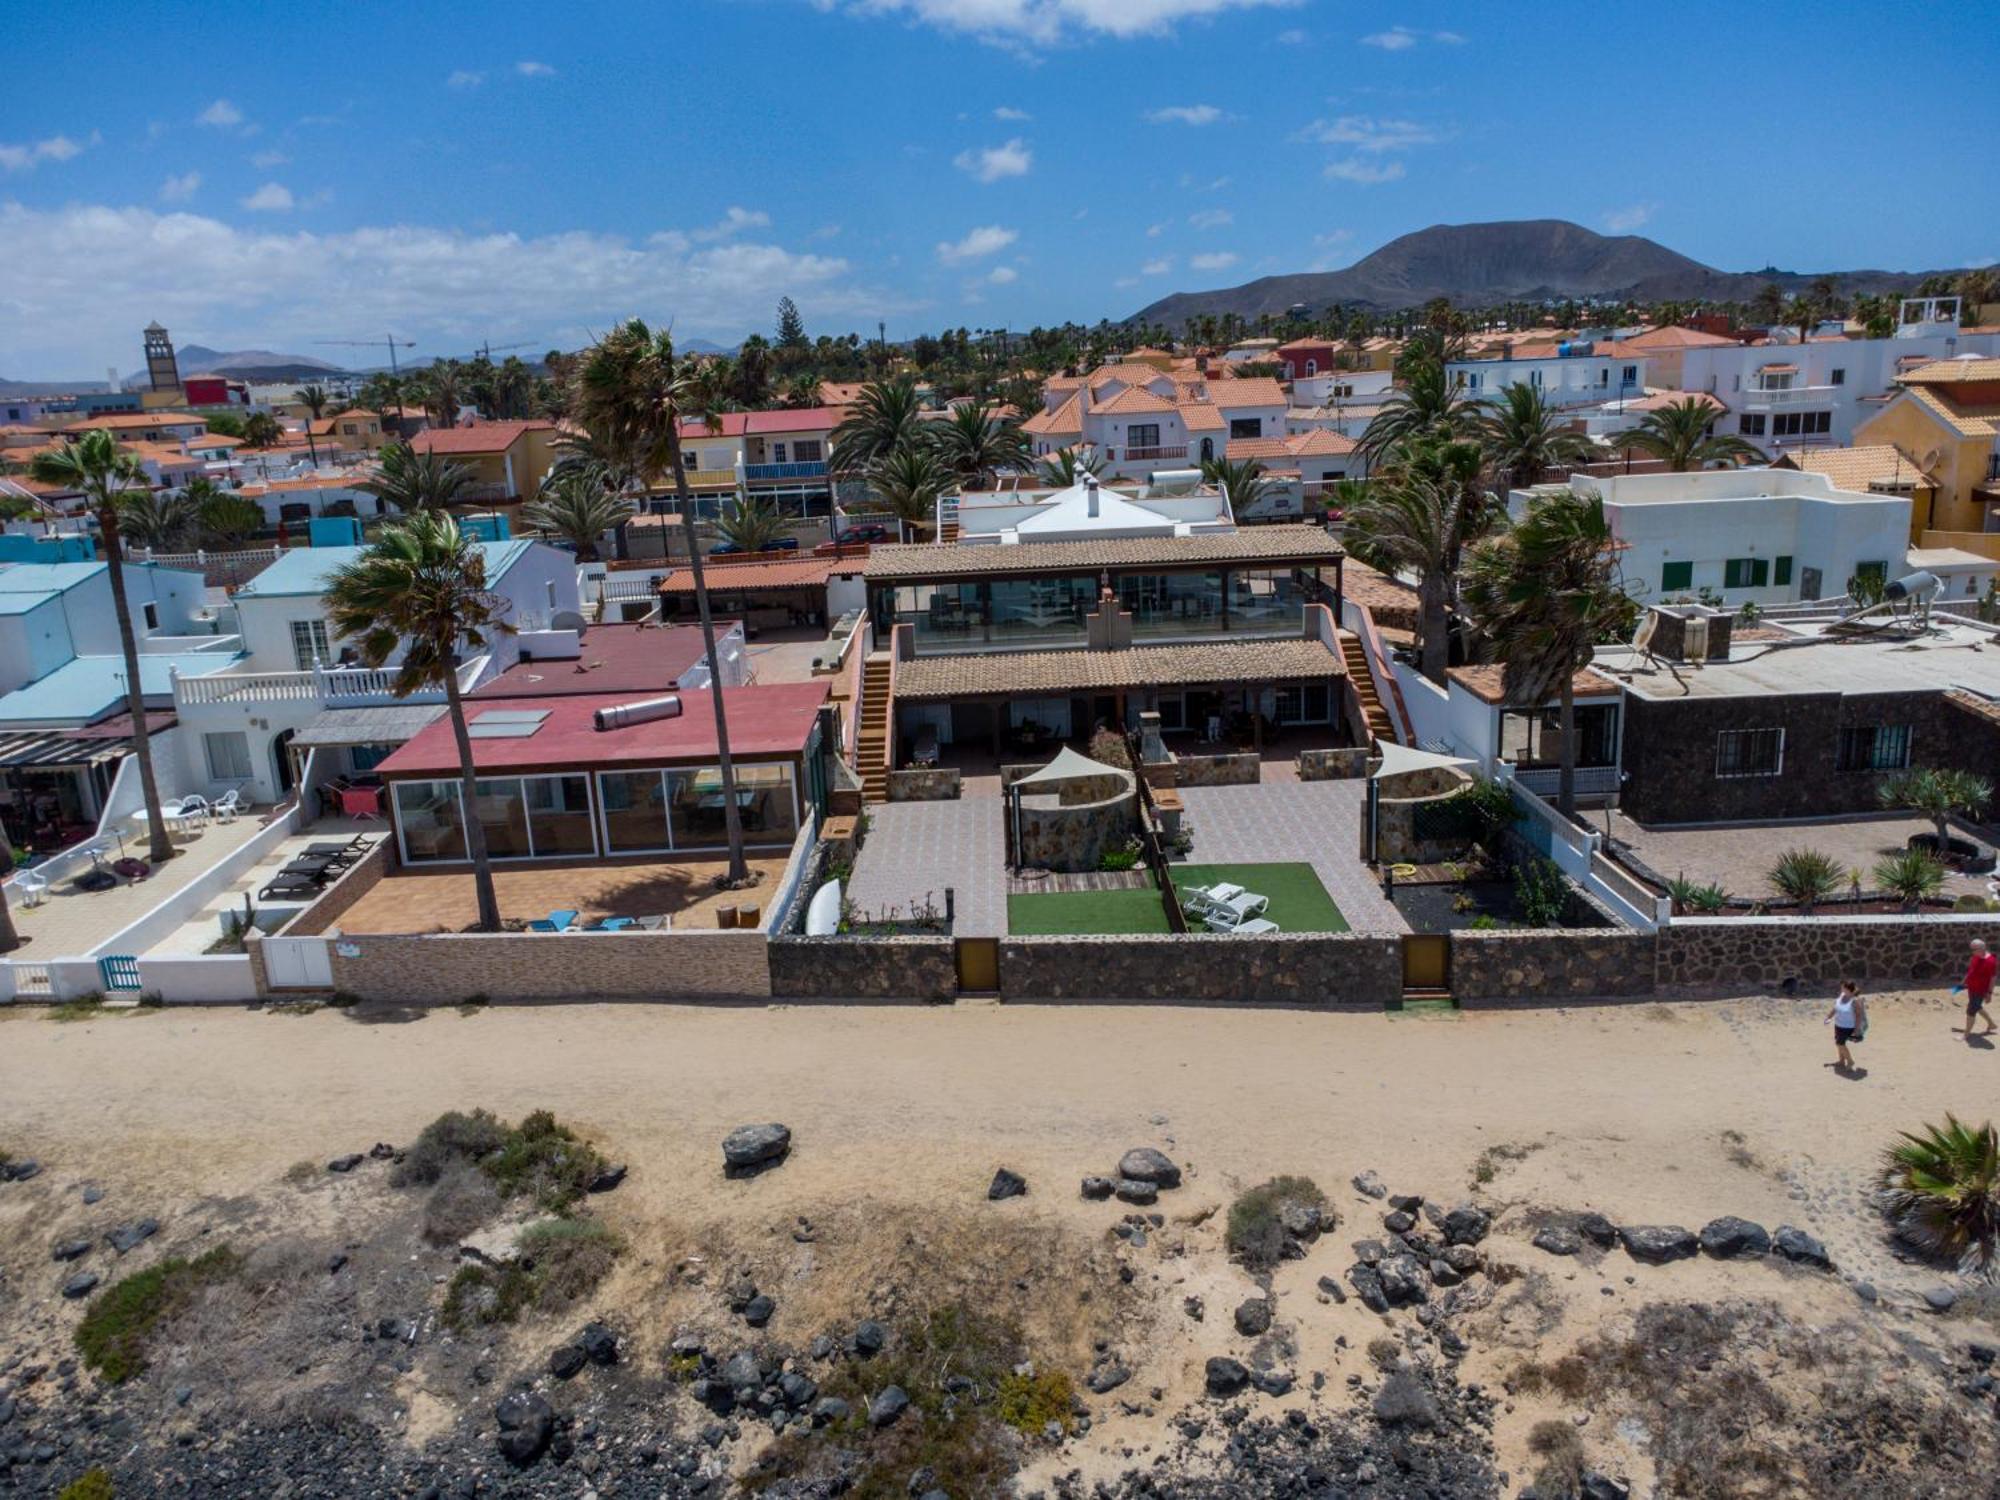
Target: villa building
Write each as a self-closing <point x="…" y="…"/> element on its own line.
<point x="1569" y="374"/>
<point x="509" y="460"/>
<point x="1945" y="416"/>
<point x="1140" y="420"/>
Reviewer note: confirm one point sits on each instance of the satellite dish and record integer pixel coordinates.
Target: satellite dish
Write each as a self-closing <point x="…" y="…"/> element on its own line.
<point x="566" y="619"/>
<point x="823" y="914"/>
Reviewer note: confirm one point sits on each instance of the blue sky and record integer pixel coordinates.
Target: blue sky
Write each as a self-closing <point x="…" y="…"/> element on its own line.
<point x="274" y="176"/>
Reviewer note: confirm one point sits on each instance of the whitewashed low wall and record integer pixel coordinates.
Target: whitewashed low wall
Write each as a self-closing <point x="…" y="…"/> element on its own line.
<point x="198" y="979"/>
<point x="168" y="916"/>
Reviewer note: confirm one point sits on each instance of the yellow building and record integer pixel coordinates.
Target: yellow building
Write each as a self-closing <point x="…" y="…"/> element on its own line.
<point x="1945" y="418"/>
<point x="509" y="460"/>
<point x="354" y="431"/>
<point x="1879" y="469"/>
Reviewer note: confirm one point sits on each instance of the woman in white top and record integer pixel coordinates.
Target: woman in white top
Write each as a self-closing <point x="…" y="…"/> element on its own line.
<point x="1850" y="1019"/>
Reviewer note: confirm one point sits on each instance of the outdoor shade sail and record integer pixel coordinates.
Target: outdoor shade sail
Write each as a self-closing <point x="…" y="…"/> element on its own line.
<point x="388" y="725"/>
<point x="1067" y="766"/>
<point x="1397" y="759"/>
<point x="58" y="749"/>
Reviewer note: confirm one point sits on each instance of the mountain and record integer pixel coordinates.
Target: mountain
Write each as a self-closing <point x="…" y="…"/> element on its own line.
<point x="256" y="365"/>
<point x="1478" y="265"/>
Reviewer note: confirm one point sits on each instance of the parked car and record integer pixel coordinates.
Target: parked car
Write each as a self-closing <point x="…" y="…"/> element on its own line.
<point x="856" y="536"/>
<point x="776" y="544"/>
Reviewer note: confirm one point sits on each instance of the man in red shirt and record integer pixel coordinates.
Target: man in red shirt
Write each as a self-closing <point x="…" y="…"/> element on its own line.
<point x="1978" y="986"/>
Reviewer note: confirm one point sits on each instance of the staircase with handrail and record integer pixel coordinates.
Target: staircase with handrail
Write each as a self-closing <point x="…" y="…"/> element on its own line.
<point x="871" y="753"/>
<point x="1373" y="713"/>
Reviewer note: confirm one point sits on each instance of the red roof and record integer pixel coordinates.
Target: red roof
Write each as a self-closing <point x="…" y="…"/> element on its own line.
<point x="763" y="721"/>
<point x="797" y="419"/>
<point x="787" y="570"/>
<point x="485" y="437"/>
<point x="724" y="424"/>
<point x="624" y="659"/>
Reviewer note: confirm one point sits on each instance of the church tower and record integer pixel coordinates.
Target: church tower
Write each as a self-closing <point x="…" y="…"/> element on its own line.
<point x="161" y="366"/>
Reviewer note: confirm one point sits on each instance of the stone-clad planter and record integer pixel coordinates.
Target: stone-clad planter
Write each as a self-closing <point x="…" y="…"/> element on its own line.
<point x="1218" y="770"/>
<point x="924" y="784"/>
<point x="1333" y="765"/>
<point x="872" y="968"/>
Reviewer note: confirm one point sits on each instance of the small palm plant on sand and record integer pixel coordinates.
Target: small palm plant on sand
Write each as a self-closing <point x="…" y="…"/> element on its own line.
<point x="1912" y="877"/>
<point x="1941" y="1189"/>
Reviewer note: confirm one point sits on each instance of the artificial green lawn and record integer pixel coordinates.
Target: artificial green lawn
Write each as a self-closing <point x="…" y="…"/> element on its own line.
<point x="1299" y="903"/>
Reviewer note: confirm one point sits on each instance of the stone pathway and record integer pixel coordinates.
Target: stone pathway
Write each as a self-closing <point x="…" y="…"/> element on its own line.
<point x="1313" y="822"/>
<point x="915" y="849"/>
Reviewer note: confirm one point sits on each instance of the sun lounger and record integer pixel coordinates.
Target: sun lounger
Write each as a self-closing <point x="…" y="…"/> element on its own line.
<point x="555" y="921"/>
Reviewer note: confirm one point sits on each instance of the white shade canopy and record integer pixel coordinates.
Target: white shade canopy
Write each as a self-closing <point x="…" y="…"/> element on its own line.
<point x="1067" y="766"/>
<point x="1396" y="759"/>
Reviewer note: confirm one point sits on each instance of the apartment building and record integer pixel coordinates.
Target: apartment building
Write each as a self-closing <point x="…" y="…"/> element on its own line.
<point x="1944" y="417"/>
<point x="1139" y="419"/>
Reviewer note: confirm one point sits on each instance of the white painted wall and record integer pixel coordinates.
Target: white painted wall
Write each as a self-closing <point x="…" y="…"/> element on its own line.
<point x="1564" y="380"/>
<point x="33" y="644"/>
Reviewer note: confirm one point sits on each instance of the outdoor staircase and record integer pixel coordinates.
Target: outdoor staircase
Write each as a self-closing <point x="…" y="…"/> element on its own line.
<point x="872" y="745"/>
<point x="1351" y="652"/>
<point x="947" y="512"/>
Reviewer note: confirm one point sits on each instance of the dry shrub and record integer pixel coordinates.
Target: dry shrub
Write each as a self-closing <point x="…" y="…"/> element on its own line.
<point x="1559" y="1448"/>
<point x="1257" y="1235"/>
<point x="451" y="1138"/>
<point x="463" y="1199"/>
<point x="570" y="1257"/>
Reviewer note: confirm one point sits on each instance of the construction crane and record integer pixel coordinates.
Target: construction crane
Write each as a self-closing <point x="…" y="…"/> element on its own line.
<point x="389" y="339"/>
<point x="486" y="349"/>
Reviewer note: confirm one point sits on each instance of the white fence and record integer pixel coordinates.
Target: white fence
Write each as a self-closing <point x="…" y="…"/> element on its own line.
<point x="787" y="890"/>
<point x="136" y="937"/>
<point x="198" y="979"/>
<point x="1578" y="852"/>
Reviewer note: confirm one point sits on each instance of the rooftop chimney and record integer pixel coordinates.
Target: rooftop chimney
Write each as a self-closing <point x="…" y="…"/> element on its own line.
<point x="1090" y="493"/>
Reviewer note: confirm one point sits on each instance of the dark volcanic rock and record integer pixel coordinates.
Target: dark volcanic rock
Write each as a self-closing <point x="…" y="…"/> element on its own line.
<point x="599" y="1344"/>
<point x="1253" y="1318"/>
<point x="1145" y="1164"/>
<point x="1557" y="1239"/>
<point x="609" y="1178"/>
<point x="887" y="1406"/>
<point x="82" y="1284"/>
<point x="1367" y="1284"/>
<point x="749" y="1147"/>
<point x="758" y="1310"/>
<point x="1404" y="1280"/>
<point x="72" y="1250"/>
<point x="1225" y="1377"/>
<point x="1798" y="1246"/>
<point x="527" y="1422"/>
<point x="1098" y="1188"/>
<point x="346" y="1163"/>
<point x="1656" y="1244"/>
<point x="567" y="1362"/>
<point x="1107" y="1377"/>
<point x="869" y="1337"/>
<point x="1466" y="1225"/>
<point x="1132" y="1190"/>
<point x="1599" y="1230"/>
<point x="1370" y="1186"/>
<point x="131" y="1236"/>
<point x="1728" y="1237"/>
<point x="1006" y="1184"/>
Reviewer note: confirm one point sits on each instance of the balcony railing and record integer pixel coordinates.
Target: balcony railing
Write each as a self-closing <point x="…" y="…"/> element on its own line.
<point x="331" y="686"/>
<point x="784" y="471"/>
<point x="1591" y="781"/>
<point x="1141" y="455"/>
<point x="1788" y="395"/>
<point x="709" y="479"/>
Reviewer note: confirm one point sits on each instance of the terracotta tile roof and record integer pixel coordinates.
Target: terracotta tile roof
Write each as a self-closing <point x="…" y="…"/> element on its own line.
<point x="1661" y="400"/>
<point x="1133" y="399"/>
<point x="1952" y="414"/>
<point x="1863" y="468"/>
<point x="913" y="562"/>
<point x="1320" y="443"/>
<point x="132" y="421"/>
<point x="840" y="392"/>
<point x="1952" y="371"/>
<point x="722" y="574"/>
<point x="940" y="678"/>
<point x="1673" y="336"/>
<point x="1063" y="383"/>
<point x="1483" y="682"/>
<point x="1063" y="419"/>
<point x="486" y="437"/>
<point x="1201" y="416"/>
<point x="1305" y="344"/>
<point x="1262" y="447"/>
<point x="1259" y="392"/>
<point x="794" y="419"/>
<point x="1128" y="374"/>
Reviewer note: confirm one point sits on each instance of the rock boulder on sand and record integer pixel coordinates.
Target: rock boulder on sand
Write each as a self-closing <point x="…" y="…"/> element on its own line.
<point x="751" y="1146"/>
<point x="1728" y="1237"/>
<point x="1656" y="1244"/>
<point x="1144" y="1164"/>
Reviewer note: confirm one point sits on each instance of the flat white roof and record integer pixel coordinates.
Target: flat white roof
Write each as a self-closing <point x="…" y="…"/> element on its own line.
<point x="1955" y="653"/>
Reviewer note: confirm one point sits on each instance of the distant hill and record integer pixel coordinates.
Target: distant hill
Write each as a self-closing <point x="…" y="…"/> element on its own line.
<point x="1478" y="265"/>
<point x="254" y="365"/>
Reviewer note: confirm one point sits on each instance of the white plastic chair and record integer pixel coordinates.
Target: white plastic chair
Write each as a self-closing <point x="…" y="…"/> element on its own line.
<point x="227" y="805"/>
<point x="33" y="889"/>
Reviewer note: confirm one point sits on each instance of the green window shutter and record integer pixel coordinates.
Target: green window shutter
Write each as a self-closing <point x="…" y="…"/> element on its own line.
<point x="1760" y="572"/>
<point x="1736" y="573"/>
<point x="1676" y="577"/>
<point x="1783" y="573"/>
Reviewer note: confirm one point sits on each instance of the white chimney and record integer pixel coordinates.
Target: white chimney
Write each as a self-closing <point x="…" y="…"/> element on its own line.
<point x="1090" y="494"/>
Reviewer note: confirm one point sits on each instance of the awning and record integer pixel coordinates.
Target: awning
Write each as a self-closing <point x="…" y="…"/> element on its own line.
<point x="1067" y="766"/>
<point x="1397" y="759"/>
<point x="391" y="724"/>
<point x="58" y="749"/>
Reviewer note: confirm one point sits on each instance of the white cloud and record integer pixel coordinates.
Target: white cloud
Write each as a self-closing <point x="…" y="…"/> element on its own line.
<point x="827" y="232"/>
<point x="1372" y="135"/>
<point x="1215" y="260"/>
<point x="82" y="277"/>
<point x="271" y="198"/>
<point x="1294" y="37"/>
<point x="55" y="148"/>
<point x="1359" y="170"/>
<point x="1008" y="112"/>
<point x="532" y="69"/>
<point x="1184" y="114"/>
<point x="1158" y="267"/>
<point x="1154" y="231"/>
<point x="991" y="163"/>
<point x="1003" y="275"/>
<point x="1625" y="220"/>
<point x="989" y="239"/>
<point x="1045" y="23"/>
<point x="464" y="78"/>
<point x="1449" y="38"/>
<point x="221" y="113"/>
<point x="1211" y="218"/>
<point x="1402" y="38"/>
<point x="731" y="224"/>
<point x="181" y="188"/>
<point x="269" y="159"/>
<point x="1125" y="281"/>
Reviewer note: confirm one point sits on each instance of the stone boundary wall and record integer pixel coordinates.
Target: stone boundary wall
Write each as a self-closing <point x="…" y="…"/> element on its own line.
<point x="1218" y="770"/>
<point x="1322" y="970"/>
<point x="1332" y="765"/>
<point x="926" y="784"/>
<point x="1543" y="965"/>
<point x="446" y="968"/>
<point x="846" y="968"/>
<point x="335" y="901"/>
<point x="1754" y="952"/>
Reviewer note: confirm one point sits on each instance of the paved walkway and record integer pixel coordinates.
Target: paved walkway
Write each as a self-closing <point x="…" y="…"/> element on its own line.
<point x="1314" y="822"/>
<point x="916" y="849"/>
<point x="1738" y="857"/>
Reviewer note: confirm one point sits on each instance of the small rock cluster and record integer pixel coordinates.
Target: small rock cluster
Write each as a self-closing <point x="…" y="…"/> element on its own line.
<point x="19" y="1171"/>
<point x="1422" y="1246"/>
<point x="775" y="1389"/>
<point x="1143" y="1172"/>
<point x="1726" y="1238"/>
<point x="595" y="1345"/>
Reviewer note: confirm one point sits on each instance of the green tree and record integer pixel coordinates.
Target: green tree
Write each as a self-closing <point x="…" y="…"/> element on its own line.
<point x="225" y="518"/>
<point x="791" y="327"/>
<point x="160" y="521"/>
<point x="630" y="389"/>
<point x="1940" y="794"/>
<point x="413" y="481"/>
<point x="422" y="587"/>
<point x="1941" y="1188"/>
<point x="575" y="504"/>
<point x="440" y="387"/>
<point x="1242" y="481"/>
<point x="1427" y="406"/>
<point x="1524" y="437"/>
<point x="1681" y="435"/>
<point x="1065" y="467"/>
<point x="1544" y="594"/>
<point x="750" y="525"/>
<point x="95" y="467"/>
<point x="887" y="416"/>
<point x="975" y="443"/>
<point x="1768" y="306"/>
<point x="262" y="430"/>
<point x="909" y="479"/>
<point x="1411" y="522"/>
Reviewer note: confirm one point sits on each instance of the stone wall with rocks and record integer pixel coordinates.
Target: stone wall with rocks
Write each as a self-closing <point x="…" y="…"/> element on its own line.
<point x="446" y="968"/>
<point x="873" y="968"/>
<point x="1541" y="965"/>
<point x="1324" y="969"/>
<point x="1218" y="770"/>
<point x="1074" y="827"/>
<point x="1758" y="952"/>
<point x="1333" y="765"/>
<point x="1404" y="800"/>
<point x="924" y="784"/>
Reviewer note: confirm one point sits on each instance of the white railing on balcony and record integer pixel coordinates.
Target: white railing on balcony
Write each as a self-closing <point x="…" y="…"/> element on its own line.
<point x="328" y="686"/>
<point x="1591" y="781"/>
<point x="1789" y="395"/>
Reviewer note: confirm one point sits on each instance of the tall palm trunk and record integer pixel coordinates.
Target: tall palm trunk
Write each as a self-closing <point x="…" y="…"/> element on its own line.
<point x="1566" y="766"/>
<point x="732" y="817"/>
<point x="160" y="848"/>
<point x="468" y="785"/>
<point x="1433" y="625"/>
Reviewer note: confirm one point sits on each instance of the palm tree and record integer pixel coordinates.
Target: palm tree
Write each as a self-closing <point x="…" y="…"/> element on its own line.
<point x="1942" y="1189"/>
<point x="1940" y="794"/>
<point x="159" y="522"/>
<point x="888" y="415"/>
<point x="975" y="443"/>
<point x="1524" y="438"/>
<point x="1065" y="468"/>
<point x="413" y="481"/>
<point x="262" y="430"/>
<point x="1545" y="594"/>
<point x="95" y="467"/>
<point x="750" y="525"/>
<point x="1407" y="521"/>
<point x="1680" y="435"/>
<point x="422" y="587"/>
<point x="630" y="389"/>
<point x="577" y="505"/>
<point x="1426" y="406"/>
<point x="314" y="399"/>
<point x="909" y="479"/>
<point x="1242" y="481"/>
<point x="441" y="389"/>
<point x="223" y="517"/>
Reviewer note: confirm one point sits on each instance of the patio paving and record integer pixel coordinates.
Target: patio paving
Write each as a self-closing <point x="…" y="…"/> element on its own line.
<point x="1316" y="822"/>
<point x="200" y="931"/>
<point x="916" y="849"/>
<point x="1738" y="856"/>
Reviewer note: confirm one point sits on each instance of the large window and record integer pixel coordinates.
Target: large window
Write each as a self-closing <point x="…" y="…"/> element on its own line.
<point x="228" y="755"/>
<point x="1246" y="427"/>
<point x="1746" y="573"/>
<point x="523" y="817"/>
<point x="1751" y="424"/>
<point x="559" y="815"/>
<point x="1304" y="703"/>
<point x="1264" y="599"/>
<point x="1038" y="611"/>
<point x="1750" y="752"/>
<point x="1676" y="577"/>
<point x="1875" y="747"/>
<point x="683" y="809"/>
<point x="1143" y="435"/>
<point x="635" y="811"/>
<point x="427" y="813"/>
<point x="309" y="644"/>
<point x="1172" y="603"/>
<point x="1534" y="738"/>
<point x="504" y="817"/>
<point x="1801" y="423"/>
<point x="807" y="451"/>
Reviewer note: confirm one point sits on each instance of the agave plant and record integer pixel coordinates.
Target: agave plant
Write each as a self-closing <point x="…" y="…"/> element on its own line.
<point x="1912" y="877"/>
<point x="1941" y="1188"/>
<point x="1807" y="876"/>
<point x="1688" y="896"/>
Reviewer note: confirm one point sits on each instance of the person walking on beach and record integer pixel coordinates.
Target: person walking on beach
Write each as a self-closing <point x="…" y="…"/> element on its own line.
<point x="1978" y="986"/>
<point x="1850" y="1022"/>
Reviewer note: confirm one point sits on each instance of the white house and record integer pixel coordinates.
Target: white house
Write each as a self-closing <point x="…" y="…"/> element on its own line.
<point x="1140" y="419"/>
<point x="1574" y="373"/>
<point x="1338" y="388"/>
<point x="1178" y="506"/>
<point x="1739" y="536"/>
